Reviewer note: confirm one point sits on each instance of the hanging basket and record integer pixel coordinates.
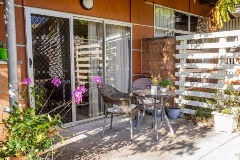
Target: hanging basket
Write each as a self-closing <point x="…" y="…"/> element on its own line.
<point x="3" y="54"/>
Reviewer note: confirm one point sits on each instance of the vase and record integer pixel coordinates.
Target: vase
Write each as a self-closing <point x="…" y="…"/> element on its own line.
<point x="3" y="54"/>
<point x="163" y="89"/>
<point x="154" y="90"/>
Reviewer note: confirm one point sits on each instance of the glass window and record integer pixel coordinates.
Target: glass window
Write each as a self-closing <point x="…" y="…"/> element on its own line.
<point x="169" y="22"/>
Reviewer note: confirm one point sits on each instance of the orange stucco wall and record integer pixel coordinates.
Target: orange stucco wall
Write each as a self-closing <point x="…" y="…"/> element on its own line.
<point x="137" y="12"/>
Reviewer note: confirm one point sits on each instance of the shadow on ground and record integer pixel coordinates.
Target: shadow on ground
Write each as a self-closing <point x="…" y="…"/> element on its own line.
<point x="116" y="143"/>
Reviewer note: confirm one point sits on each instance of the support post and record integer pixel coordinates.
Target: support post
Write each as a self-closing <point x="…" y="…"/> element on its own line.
<point x="12" y="51"/>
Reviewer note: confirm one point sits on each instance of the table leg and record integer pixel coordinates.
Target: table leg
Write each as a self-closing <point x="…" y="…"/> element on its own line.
<point x="163" y="115"/>
<point x="155" y="119"/>
<point x="168" y="124"/>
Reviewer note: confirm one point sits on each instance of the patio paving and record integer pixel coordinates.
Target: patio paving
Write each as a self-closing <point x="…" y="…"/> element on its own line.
<point x="189" y="142"/>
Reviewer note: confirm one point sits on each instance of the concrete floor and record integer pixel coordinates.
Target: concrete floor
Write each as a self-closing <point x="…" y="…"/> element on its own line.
<point x="190" y="142"/>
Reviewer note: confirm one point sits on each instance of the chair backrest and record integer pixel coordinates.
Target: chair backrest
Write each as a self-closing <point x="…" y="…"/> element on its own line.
<point x="108" y="90"/>
<point x="111" y="95"/>
<point x="142" y="83"/>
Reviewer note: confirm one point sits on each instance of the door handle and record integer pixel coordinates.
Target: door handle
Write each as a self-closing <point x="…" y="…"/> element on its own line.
<point x="30" y="62"/>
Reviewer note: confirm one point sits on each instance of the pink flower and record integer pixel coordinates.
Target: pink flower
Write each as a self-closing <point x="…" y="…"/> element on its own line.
<point x="78" y="94"/>
<point x="27" y="81"/>
<point x="98" y="80"/>
<point x="56" y="82"/>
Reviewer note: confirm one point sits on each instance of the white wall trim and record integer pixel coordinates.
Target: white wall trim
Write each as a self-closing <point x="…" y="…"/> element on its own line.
<point x="137" y="50"/>
<point x="67" y="15"/>
<point x="21" y="45"/>
<point x="136" y="24"/>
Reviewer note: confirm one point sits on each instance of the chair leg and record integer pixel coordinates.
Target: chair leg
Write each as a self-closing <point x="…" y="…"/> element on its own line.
<point x="111" y="121"/>
<point x="104" y="123"/>
<point x="131" y="129"/>
<point x="140" y="118"/>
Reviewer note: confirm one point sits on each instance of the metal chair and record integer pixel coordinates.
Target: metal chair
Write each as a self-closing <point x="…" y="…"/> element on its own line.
<point x="116" y="102"/>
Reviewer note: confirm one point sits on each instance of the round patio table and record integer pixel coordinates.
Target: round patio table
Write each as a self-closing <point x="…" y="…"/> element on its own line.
<point x="163" y="97"/>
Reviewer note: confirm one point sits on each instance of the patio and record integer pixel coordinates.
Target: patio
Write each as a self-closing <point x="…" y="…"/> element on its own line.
<point x="189" y="142"/>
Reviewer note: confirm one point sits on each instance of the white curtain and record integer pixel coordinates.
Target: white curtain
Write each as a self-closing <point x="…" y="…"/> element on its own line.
<point x="118" y="56"/>
<point x="165" y="18"/>
<point x="95" y="69"/>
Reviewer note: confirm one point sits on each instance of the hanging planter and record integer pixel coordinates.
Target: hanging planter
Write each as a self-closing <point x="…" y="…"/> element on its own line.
<point x="3" y="54"/>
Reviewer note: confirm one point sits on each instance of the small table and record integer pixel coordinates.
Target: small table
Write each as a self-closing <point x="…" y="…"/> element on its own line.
<point x="163" y="96"/>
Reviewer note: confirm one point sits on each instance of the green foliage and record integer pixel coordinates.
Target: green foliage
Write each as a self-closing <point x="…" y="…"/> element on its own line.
<point x="29" y="133"/>
<point x="165" y="83"/>
<point x="221" y="13"/>
<point x="202" y="114"/>
<point x="225" y="100"/>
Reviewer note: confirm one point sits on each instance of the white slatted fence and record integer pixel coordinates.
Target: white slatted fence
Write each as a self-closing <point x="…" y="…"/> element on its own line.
<point x="204" y="66"/>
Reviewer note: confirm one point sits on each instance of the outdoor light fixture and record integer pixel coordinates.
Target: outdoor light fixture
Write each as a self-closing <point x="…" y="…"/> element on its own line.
<point x="87" y="4"/>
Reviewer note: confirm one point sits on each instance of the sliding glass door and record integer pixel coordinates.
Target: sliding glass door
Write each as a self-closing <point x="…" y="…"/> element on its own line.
<point x="75" y="50"/>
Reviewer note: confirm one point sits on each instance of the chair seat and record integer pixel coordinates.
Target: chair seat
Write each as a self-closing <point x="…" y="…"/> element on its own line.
<point x="117" y="109"/>
<point x="149" y="101"/>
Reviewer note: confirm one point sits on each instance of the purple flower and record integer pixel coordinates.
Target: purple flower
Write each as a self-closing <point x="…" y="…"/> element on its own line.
<point x="27" y="81"/>
<point x="78" y="94"/>
<point x="56" y="82"/>
<point x="98" y="80"/>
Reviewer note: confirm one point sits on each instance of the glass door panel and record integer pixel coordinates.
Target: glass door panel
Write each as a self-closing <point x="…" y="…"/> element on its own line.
<point x="51" y="59"/>
<point x="88" y="54"/>
<point x="118" y="50"/>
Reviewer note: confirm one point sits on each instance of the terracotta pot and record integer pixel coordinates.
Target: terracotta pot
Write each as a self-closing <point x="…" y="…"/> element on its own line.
<point x="17" y="158"/>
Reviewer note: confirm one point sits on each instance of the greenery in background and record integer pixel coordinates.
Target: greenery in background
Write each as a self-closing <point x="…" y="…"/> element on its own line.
<point x="223" y="100"/>
<point x="202" y="114"/>
<point x="221" y="13"/>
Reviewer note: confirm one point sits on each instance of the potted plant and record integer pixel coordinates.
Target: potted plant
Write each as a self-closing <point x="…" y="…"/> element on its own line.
<point x="226" y="112"/>
<point x="154" y="86"/>
<point x="173" y="112"/>
<point x="3" y="52"/>
<point x="164" y="84"/>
